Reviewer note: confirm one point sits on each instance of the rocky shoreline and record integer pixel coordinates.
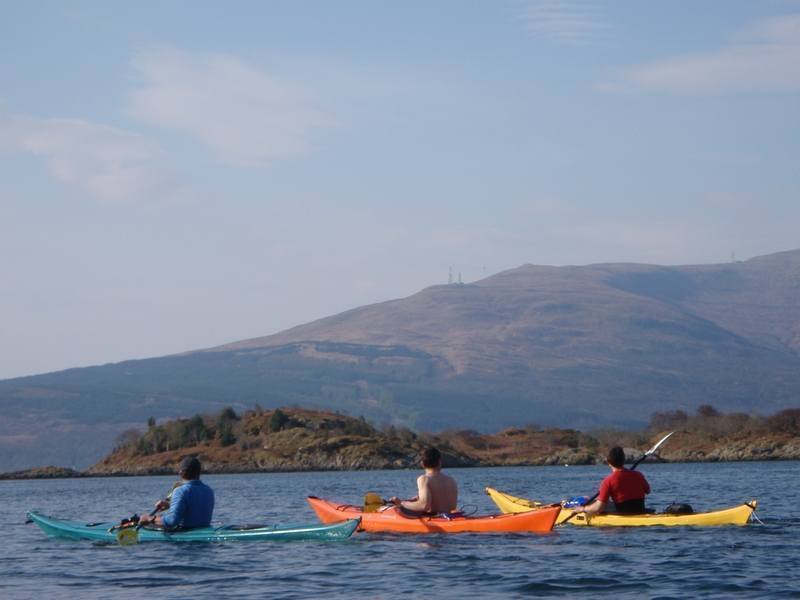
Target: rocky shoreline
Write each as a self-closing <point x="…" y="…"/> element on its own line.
<point x="320" y="441"/>
<point x="234" y="469"/>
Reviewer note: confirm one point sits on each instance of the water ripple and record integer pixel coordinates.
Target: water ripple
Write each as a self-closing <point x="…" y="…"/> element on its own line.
<point x="750" y="562"/>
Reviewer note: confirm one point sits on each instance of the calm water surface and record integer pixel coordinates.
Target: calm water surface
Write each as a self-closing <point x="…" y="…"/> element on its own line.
<point x="754" y="561"/>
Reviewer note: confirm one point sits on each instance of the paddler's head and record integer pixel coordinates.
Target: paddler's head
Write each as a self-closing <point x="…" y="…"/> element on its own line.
<point x="431" y="458"/>
<point x="190" y="468"/>
<point x="616" y="458"/>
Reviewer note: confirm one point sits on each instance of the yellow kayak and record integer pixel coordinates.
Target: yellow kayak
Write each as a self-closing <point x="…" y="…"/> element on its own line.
<point x="737" y="515"/>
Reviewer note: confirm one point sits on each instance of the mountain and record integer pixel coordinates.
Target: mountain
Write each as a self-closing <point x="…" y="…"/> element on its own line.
<point x="580" y="346"/>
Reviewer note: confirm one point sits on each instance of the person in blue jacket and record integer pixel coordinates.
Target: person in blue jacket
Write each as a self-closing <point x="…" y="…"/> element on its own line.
<point x="191" y="504"/>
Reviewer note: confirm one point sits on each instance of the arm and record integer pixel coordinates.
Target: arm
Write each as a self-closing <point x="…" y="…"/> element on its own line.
<point x="423" y="501"/>
<point x="156" y="520"/>
<point x="599" y="505"/>
<point x="595" y="507"/>
<point x="177" y="509"/>
<point x="162" y="504"/>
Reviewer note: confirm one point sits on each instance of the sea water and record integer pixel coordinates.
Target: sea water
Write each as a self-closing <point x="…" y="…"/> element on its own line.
<point x="760" y="560"/>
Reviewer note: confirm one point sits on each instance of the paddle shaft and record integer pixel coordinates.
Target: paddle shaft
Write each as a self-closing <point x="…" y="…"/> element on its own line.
<point x="152" y="514"/>
<point x="125" y="538"/>
<point x="156" y="509"/>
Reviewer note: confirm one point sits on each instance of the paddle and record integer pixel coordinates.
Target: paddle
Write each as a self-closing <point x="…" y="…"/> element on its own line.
<point x="633" y="467"/>
<point x="128" y="530"/>
<point x="648" y="453"/>
<point x="372" y="502"/>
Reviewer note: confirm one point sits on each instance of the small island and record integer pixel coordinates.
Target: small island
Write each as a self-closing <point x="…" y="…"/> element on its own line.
<point x="296" y="439"/>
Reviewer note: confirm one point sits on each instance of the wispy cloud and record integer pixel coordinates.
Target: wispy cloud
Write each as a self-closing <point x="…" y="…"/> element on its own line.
<point x="566" y="21"/>
<point x="764" y="58"/>
<point x="110" y="163"/>
<point x="245" y="116"/>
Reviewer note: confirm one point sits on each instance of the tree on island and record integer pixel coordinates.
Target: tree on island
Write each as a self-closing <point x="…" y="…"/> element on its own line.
<point x="277" y="420"/>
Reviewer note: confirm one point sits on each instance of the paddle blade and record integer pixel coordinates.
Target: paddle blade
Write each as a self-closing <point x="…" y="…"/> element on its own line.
<point x="658" y="444"/>
<point x="372" y="502"/>
<point x="127" y="536"/>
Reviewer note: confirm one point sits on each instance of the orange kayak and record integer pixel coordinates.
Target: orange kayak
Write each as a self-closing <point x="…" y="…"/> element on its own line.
<point x="392" y="520"/>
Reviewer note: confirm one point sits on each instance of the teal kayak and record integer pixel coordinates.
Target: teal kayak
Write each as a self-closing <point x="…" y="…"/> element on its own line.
<point x="103" y="532"/>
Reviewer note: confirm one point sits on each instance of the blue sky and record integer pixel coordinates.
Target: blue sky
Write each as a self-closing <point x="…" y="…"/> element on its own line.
<point x="179" y="175"/>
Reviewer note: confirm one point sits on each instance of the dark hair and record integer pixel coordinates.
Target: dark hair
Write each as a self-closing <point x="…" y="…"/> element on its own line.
<point x="190" y="468"/>
<point x="616" y="457"/>
<point x="431" y="458"/>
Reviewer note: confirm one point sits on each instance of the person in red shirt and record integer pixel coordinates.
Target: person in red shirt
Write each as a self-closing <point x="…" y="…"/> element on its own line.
<point x="626" y="488"/>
